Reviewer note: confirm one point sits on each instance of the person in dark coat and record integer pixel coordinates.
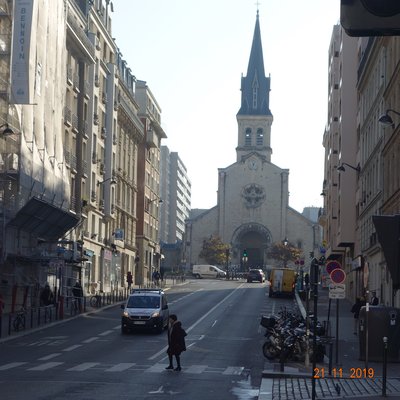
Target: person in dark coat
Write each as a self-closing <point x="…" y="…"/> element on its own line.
<point x="176" y="342"/>
<point x="374" y="299"/>
<point x="360" y="302"/>
<point x="77" y="291"/>
<point x="46" y="297"/>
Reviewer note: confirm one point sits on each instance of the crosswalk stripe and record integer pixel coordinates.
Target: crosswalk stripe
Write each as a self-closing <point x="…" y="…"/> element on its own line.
<point x="120" y="367"/>
<point x="83" y="366"/>
<point x="49" y="357"/>
<point x="196" y="369"/>
<point x="70" y="348"/>
<point x="11" y="365"/>
<point x="233" y="371"/>
<point x="45" y="366"/>
<point x="156" y="368"/>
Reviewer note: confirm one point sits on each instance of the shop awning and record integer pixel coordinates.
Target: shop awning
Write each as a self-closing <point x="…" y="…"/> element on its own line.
<point x="43" y="219"/>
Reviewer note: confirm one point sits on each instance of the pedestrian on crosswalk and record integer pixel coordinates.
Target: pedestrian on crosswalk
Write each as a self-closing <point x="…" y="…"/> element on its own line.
<point x="176" y="342"/>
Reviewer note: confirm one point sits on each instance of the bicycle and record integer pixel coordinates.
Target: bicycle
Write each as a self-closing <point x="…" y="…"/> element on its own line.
<point x="95" y="300"/>
<point x="20" y="319"/>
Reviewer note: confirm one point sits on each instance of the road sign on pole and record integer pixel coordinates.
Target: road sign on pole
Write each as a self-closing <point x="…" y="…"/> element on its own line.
<point x="338" y="275"/>
<point x="331" y="265"/>
<point x="337" y="291"/>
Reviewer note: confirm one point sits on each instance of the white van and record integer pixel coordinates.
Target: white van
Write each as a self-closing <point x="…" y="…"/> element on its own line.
<point x="208" y="271"/>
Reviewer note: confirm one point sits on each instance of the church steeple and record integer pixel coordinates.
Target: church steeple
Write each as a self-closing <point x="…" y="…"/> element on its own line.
<point x="254" y="117"/>
<point x="255" y="86"/>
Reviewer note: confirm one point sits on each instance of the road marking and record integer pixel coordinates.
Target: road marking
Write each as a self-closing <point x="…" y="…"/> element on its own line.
<point x="105" y="333"/>
<point x="90" y="340"/>
<point x="120" y="367"/>
<point x="215" y="322"/>
<point x="233" y="371"/>
<point x="49" y="357"/>
<point x="156" y="368"/>
<point x="83" y="366"/>
<point x="12" y="365"/>
<point x="159" y="391"/>
<point x="75" y="346"/>
<point x="45" y="366"/>
<point x="196" y="369"/>
<point x="200" y="319"/>
<point x="117" y="327"/>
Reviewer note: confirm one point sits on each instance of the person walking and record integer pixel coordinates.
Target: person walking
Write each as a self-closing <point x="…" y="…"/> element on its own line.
<point x="77" y="291"/>
<point x="356" y="311"/>
<point x="129" y="279"/>
<point x="176" y="342"/>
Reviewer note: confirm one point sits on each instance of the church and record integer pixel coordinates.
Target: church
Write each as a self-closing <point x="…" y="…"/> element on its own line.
<point x="252" y="210"/>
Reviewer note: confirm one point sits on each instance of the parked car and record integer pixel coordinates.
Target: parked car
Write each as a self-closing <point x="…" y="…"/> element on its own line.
<point x="256" y="275"/>
<point x="145" y="308"/>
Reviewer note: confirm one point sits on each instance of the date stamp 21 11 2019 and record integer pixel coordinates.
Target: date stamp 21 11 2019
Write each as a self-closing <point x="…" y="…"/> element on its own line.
<point x="352" y="373"/>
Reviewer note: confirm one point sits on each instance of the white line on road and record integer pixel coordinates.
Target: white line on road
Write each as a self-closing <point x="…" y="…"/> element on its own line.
<point x="215" y="322"/>
<point x="12" y="365"/>
<point x="199" y="320"/>
<point x="233" y="371"/>
<point x="83" y="366"/>
<point x="120" y="367"/>
<point x="90" y="340"/>
<point x="70" y="348"/>
<point x="45" y="366"/>
<point x="105" y="333"/>
<point x="49" y="357"/>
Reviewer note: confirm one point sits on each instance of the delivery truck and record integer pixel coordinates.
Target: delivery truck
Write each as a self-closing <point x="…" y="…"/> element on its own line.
<point x="282" y="282"/>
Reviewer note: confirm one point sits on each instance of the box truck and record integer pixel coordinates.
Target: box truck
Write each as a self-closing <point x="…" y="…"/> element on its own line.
<point x="282" y="282"/>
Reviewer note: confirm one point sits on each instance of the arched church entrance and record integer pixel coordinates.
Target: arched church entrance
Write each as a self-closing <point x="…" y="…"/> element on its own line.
<point x="250" y="243"/>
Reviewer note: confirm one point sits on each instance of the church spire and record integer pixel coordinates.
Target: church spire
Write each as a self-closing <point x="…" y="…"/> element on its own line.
<point x="255" y="86"/>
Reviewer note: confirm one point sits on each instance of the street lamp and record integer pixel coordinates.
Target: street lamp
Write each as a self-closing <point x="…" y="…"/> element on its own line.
<point x="7" y="130"/>
<point x="113" y="181"/>
<point x="386" y="119"/>
<point x="341" y="167"/>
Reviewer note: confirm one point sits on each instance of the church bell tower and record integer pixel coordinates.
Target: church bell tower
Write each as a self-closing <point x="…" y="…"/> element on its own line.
<point x="254" y="117"/>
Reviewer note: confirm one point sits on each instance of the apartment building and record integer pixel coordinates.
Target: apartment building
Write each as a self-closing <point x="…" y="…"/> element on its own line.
<point x="176" y="195"/>
<point x="70" y="137"/>
<point x="148" y="195"/>
<point x="371" y="157"/>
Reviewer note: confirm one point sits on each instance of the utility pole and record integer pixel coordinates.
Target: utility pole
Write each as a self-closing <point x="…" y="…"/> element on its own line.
<point x="314" y="281"/>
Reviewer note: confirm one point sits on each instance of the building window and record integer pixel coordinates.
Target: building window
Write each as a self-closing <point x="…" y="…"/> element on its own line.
<point x="260" y="137"/>
<point x="247" y="137"/>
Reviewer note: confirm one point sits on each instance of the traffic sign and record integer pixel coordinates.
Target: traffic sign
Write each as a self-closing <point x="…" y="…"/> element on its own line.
<point x="337" y="291"/>
<point x="338" y="275"/>
<point x="331" y="265"/>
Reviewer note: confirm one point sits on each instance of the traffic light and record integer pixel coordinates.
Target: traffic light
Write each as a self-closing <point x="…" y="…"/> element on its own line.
<point x="370" y="17"/>
<point x="244" y="253"/>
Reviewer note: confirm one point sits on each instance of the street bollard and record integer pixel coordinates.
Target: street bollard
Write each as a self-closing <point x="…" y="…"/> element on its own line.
<point x="384" y="371"/>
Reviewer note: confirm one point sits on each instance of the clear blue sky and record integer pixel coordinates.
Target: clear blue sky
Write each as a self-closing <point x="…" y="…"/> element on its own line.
<point x="192" y="54"/>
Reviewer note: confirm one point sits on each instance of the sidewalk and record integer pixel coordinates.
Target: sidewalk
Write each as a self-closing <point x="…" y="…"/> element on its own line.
<point x="351" y="377"/>
<point x="39" y="318"/>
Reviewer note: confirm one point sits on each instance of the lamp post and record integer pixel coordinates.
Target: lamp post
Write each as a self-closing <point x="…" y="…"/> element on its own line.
<point x="341" y="167"/>
<point x="285" y="242"/>
<point x="386" y="119"/>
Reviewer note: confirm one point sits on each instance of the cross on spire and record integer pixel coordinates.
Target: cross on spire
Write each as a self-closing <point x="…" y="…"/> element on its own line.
<point x="257" y="4"/>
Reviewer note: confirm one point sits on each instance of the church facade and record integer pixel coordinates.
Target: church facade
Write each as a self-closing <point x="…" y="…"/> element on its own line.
<point x="252" y="210"/>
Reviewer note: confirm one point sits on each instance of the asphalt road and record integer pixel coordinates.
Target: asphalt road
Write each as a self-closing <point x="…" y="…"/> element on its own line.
<point x="88" y="357"/>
